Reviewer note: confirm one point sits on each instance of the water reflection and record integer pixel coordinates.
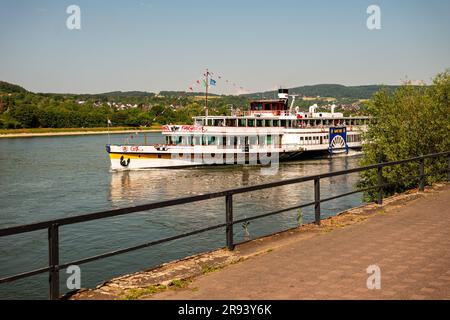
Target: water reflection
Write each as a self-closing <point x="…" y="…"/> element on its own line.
<point x="131" y="187"/>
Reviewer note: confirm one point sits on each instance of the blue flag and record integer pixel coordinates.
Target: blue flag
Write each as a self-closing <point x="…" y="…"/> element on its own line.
<point x="212" y="82"/>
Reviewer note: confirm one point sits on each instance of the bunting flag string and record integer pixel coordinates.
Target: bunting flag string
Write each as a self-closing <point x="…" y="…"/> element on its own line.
<point x="215" y="80"/>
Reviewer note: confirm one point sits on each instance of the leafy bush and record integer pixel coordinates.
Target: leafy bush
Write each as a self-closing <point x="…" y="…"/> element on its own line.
<point x="411" y="122"/>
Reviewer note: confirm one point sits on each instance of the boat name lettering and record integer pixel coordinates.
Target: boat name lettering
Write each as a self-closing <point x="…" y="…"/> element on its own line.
<point x="184" y="128"/>
<point x="131" y="149"/>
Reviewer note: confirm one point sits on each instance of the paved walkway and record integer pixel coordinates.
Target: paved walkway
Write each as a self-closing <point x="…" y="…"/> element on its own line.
<point x="410" y="244"/>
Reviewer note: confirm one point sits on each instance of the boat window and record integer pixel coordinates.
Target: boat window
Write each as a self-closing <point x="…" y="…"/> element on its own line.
<point x="242" y="123"/>
<point x="257" y="106"/>
<point x="211" y="140"/>
<point x="269" y="140"/>
<point x="259" y="123"/>
<point x="275" y="123"/>
<point x="251" y="123"/>
<point x="268" y="123"/>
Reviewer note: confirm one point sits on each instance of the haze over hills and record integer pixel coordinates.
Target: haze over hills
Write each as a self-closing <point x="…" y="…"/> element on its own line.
<point x="322" y="90"/>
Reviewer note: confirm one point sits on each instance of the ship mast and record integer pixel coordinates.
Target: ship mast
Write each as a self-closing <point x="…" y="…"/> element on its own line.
<point x="206" y="95"/>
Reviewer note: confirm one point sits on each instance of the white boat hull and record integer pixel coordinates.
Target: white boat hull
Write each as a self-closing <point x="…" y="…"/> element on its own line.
<point x="227" y="146"/>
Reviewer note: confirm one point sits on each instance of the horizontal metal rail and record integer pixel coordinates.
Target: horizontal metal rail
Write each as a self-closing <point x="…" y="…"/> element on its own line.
<point x="53" y="225"/>
<point x="208" y="196"/>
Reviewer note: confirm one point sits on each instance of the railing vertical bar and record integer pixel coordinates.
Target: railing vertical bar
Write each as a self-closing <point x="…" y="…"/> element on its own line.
<point x="448" y="168"/>
<point x="422" y="175"/>
<point x="229" y="220"/>
<point x="53" y="257"/>
<point x="380" y="185"/>
<point x="317" y="200"/>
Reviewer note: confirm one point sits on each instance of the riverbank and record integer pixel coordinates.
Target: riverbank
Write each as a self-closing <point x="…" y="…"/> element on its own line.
<point x="49" y="132"/>
<point x="406" y="234"/>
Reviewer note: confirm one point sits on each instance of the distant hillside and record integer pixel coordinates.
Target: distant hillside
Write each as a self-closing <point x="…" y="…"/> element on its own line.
<point x="323" y="90"/>
<point x="329" y="90"/>
<point x="124" y="94"/>
<point x="6" y="87"/>
<point x="102" y="96"/>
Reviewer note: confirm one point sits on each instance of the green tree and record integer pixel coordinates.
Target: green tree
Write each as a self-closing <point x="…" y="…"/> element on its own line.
<point x="25" y="114"/>
<point x="411" y="122"/>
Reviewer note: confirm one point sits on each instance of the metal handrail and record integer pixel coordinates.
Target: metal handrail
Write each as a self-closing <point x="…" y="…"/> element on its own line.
<point x="53" y="225"/>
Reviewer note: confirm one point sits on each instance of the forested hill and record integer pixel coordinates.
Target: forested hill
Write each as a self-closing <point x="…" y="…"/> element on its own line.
<point x="329" y="90"/>
<point x="6" y="87"/>
<point x="322" y="90"/>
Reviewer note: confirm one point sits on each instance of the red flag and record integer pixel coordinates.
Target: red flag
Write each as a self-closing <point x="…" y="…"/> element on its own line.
<point x="190" y="88"/>
<point x="198" y="81"/>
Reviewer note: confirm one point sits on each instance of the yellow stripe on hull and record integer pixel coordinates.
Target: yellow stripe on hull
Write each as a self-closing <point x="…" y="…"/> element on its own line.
<point x="139" y="156"/>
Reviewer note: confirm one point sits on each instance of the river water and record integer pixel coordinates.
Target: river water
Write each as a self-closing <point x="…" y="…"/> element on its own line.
<point x="52" y="177"/>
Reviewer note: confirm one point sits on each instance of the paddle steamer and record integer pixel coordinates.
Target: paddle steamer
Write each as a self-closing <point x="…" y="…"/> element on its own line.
<point x="270" y="131"/>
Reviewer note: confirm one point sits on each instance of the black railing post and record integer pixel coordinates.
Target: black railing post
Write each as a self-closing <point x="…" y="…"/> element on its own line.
<point x="380" y="185"/>
<point x="53" y="259"/>
<point x="422" y="175"/>
<point x="448" y="167"/>
<point x="229" y="220"/>
<point x="317" y="200"/>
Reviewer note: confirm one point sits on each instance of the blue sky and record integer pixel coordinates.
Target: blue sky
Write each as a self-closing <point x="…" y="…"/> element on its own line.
<point x="155" y="45"/>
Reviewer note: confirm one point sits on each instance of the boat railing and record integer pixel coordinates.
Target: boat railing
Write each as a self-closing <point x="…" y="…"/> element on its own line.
<point x="266" y="113"/>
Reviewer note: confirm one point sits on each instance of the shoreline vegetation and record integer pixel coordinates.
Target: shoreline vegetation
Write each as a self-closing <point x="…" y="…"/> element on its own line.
<point x="22" y="109"/>
<point x="48" y="132"/>
<point x="410" y="122"/>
